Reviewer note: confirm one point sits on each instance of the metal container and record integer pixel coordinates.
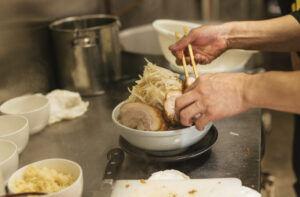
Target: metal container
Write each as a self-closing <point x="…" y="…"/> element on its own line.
<point x="87" y="51"/>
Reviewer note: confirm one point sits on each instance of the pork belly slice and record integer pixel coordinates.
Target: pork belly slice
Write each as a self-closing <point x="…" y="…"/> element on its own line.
<point x="169" y="106"/>
<point x="141" y="116"/>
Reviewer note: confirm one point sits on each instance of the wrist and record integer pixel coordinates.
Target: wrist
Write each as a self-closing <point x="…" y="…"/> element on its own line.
<point x="248" y="90"/>
<point x="230" y="32"/>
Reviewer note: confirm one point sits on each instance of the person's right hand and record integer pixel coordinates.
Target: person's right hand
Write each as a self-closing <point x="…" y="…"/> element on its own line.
<point x="208" y="42"/>
<point x="213" y="97"/>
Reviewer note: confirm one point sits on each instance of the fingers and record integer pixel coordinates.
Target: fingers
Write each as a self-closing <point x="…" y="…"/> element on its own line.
<point x="202" y="122"/>
<point x="199" y="58"/>
<point x="185" y="100"/>
<point x="191" y="84"/>
<point x="179" y="56"/>
<point x="192" y="112"/>
<point x="180" y="48"/>
<point x="179" y="62"/>
<point x="187" y="60"/>
<point x="181" y="44"/>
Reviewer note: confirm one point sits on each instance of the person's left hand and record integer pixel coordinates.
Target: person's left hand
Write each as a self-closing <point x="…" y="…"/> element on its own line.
<point x="212" y="97"/>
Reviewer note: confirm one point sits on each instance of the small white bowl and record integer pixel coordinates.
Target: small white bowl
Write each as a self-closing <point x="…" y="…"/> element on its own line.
<point x="159" y="140"/>
<point x="61" y="165"/>
<point x="9" y="158"/>
<point x="35" y="108"/>
<point x="16" y="129"/>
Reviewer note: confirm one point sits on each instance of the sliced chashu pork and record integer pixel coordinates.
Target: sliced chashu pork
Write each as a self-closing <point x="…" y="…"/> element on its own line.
<point x="169" y="106"/>
<point x="141" y="116"/>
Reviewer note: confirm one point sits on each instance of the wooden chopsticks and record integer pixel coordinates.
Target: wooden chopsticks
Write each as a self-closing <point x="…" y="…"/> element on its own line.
<point x="186" y="72"/>
<point x="191" y="53"/>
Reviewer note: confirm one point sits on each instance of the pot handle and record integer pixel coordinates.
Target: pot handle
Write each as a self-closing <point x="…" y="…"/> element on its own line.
<point x="84" y="42"/>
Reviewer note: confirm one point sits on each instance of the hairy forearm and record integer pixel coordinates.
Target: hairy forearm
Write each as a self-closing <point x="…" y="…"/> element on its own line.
<point x="279" y="34"/>
<point x="274" y="90"/>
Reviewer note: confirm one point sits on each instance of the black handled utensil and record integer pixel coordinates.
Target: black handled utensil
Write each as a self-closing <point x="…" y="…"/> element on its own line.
<point x="26" y="194"/>
<point x="115" y="159"/>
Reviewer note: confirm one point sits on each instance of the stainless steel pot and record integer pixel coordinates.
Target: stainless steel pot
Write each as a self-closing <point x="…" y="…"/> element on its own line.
<point x="87" y="52"/>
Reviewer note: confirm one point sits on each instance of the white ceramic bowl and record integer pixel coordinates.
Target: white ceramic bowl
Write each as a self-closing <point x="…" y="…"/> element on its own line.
<point x="35" y="108"/>
<point x="2" y="184"/>
<point x="159" y="140"/>
<point x="9" y="158"/>
<point x="16" y="129"/>
<point x="61" y="165"/>
<point x="230" y="61"/>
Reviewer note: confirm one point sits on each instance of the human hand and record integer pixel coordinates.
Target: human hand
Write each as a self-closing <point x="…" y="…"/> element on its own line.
<point x="212" y="97"/>
<point x="208" y="42"/>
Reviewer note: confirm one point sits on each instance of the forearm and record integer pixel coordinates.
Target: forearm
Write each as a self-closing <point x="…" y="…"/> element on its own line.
<point x="273" y="90"/>
<point x="279" y="34"/>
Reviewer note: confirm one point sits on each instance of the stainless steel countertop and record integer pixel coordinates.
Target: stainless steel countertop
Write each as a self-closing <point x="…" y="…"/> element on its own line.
<point x="87" y="139"/>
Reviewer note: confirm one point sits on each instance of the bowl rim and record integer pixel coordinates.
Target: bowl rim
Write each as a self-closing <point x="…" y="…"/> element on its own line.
<point x="19" y="129"/>
<point x="22" y="169"/>
<point x="14" y="152"/>
<point x="166" y="133"/>
<point x="53" y="26"/>
<point x="3" y="106"/>
<point x="158" y="22"/>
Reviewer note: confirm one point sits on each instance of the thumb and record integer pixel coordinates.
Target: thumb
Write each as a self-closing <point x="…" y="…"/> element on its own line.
<point x="202" y="122"/>
<point x="182" y="43"/>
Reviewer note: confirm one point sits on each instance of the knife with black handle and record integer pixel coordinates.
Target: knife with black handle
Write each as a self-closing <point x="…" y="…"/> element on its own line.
<point x="115" y="159"/>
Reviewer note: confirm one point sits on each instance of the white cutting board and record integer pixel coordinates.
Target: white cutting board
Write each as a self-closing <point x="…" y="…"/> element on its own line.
<point x="224" y="187"/>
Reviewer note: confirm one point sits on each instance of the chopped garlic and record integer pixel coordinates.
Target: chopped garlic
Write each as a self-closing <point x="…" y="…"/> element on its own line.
<point x="42" y="179"/>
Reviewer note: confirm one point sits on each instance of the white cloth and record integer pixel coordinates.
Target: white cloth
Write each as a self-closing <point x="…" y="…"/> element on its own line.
<point x="65" y="105"/>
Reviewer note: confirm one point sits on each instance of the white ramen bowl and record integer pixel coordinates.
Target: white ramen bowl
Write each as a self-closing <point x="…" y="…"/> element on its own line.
<point x="61" y="165"/>
<point x="159" y="140"/>
<point x="2" y="184"/>
<point x="35" y="108"/>
<point x="9" y="158"/>
<point x="16" y="129"/>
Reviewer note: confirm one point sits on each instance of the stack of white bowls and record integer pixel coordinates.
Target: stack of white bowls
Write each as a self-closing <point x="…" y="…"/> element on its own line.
<point x="21" y="117"/>
<point x="35" y="108"/>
